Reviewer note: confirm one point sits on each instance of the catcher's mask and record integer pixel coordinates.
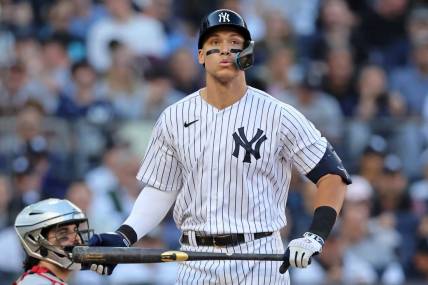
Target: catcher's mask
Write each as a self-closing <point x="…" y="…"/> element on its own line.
<point x="34" y="222"/>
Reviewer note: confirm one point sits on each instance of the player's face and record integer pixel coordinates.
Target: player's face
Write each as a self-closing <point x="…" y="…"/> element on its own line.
<point x="65" y="235"/>
<point x="219" y="51"/>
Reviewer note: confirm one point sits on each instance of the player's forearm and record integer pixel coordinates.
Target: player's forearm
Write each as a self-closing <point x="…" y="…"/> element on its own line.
<point x="328" y="203"/>
<point x="331" y="192"/>
<point x="149" y="209"/>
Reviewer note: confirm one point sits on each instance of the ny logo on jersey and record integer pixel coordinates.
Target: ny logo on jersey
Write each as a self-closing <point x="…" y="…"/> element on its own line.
<point x="223" y="17"/>
<point x="241" y="140"/>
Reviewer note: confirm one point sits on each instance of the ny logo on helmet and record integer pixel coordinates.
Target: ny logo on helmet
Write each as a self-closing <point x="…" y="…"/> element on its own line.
<point x="223" y="17"/>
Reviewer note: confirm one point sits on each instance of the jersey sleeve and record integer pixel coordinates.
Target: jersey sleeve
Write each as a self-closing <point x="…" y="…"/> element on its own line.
<point x="160" y="167"/>
<point x="301" y="142"/>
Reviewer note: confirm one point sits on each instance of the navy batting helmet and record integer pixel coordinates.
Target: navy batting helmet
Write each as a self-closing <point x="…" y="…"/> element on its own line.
<point x="229" y="18"/>
<point x="219" y="18"/>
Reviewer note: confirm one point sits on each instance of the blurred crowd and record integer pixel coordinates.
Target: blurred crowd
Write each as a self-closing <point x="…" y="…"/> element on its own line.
<point x="81" y="83"/>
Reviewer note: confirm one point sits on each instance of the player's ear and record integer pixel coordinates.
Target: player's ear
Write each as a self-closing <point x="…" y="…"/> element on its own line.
<point x="201" y="56"/>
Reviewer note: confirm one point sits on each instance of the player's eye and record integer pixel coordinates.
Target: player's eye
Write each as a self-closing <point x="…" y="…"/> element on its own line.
<point x="236" y="42"/>
<point x="64" y="235"/>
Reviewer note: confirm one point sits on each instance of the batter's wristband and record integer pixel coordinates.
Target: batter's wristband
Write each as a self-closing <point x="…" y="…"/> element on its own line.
<point x="323" y="221"/>
<point x="128" y="232"/>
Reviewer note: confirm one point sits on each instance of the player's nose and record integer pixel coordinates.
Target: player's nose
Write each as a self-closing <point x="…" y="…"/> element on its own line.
<point x="224" y="49"/>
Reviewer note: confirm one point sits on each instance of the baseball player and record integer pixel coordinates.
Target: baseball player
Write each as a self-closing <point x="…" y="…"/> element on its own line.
<point x="45" y="228"/>
<point x="224" y="155"/>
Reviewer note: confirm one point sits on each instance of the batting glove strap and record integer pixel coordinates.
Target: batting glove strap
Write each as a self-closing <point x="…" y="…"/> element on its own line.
<point x="128" y="233"/>
<point x="302" y="249"/>
<point x="314" y="237"/>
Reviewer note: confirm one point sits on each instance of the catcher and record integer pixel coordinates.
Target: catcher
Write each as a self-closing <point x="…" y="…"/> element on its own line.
<point x="46" y="229"/>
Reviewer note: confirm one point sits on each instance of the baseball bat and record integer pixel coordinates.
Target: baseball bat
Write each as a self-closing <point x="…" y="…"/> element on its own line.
<point x="116" y="255"/>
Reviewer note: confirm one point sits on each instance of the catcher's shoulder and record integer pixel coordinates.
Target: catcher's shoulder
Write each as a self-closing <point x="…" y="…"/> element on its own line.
<point x="36" y="279"/>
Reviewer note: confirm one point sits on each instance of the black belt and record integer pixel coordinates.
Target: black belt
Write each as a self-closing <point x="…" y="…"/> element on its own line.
<point x="221" y="240"/>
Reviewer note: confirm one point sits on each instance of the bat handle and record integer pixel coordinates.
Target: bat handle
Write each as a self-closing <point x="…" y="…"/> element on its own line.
<point x="286" y="264"/>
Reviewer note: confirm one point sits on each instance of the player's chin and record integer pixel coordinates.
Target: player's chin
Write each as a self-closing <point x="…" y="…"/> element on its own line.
<point x="227" y="71"/>
<point x="225" y="77"/>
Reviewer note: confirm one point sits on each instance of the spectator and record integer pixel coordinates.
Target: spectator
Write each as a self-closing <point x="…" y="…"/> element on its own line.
<point x="58" y="20"/>
<point x="179" y="33"/>
<point x="160" y="93"/>
<point x="411" y="82"/>
<point x="113" y="185"/>
<point x="421" y="260"/>
<point x="17" y="88"/>
<point x="86" y="13"/>
<point x="302" y="14"/>
<point x="28" y="125"/>
<point x="359" y="192"/>
<point x="278" y="33"/>
<point x="56" y="62"/>
<point x="382" y="33"/>
<point x="379" y="111"/>
<point x="371" y="160"/>
<point x="7" y="45"/>
<point x="19" y="18"/>
<point x="184" y="71"/>
<point x="252" y="16"/>
<point x="280" y="71"/>
<point x="392" y="202"/>
<point x="144" y="36"/>
<point x="363" y="237"/>
<point x="85" y="98"/>
<point x="339" y="79"/>
<point x="5" y="197"/>
<point x="58" y="25"/>
<point x="336" y="29"/>
<point x="123" y="86"/>
<point x="26" y="185"/>
<point x="419" y="189"/>
<point x="375" y="101"/>
<point x="27" y="51"/>
<point x="318" y="107"/>
<point x="417" y="25"/>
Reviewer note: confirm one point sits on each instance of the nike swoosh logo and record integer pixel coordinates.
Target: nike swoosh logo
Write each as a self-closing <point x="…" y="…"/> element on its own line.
<point x="188" y="124"/>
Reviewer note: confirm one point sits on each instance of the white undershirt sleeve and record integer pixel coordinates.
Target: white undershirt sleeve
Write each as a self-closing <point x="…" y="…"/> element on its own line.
<point x="149" y="209"/>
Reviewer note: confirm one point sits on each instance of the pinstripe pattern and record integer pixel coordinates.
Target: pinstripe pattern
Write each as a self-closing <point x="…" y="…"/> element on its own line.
<point x="240" y="272"/>
<point x="222" y="188"/>
<point x="218" y="192"/>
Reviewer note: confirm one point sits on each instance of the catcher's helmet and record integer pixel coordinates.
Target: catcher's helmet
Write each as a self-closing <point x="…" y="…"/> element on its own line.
<point x="35" y="218"/>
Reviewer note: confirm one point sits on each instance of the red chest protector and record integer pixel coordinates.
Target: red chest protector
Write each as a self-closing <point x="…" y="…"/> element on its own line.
<point x="41" y="271"/>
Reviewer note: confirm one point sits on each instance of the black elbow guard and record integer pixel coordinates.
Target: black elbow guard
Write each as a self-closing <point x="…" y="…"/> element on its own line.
<point x="330" y="163"/>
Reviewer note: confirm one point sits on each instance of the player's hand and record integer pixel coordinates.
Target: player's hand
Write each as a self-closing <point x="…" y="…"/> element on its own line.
<point x="107" y="239"/>
<point x="300" y="251"/>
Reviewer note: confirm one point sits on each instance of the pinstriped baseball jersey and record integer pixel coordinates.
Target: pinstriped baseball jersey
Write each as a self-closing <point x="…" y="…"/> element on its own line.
<point x="232" y="167"/>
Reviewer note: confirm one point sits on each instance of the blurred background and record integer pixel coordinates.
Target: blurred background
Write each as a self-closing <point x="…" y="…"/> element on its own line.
<point x="82" y="82"/>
